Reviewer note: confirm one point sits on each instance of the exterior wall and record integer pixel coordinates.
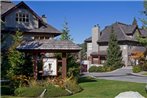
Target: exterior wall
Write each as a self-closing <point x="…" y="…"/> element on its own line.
<point x="37" y="36"/>
<point x="10" y="20"/>
<point x="89" y="49"/>
<point x="125" y="53"/>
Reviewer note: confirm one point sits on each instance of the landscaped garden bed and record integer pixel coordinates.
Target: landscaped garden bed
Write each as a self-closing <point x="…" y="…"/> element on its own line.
<point x="99" y="88"/>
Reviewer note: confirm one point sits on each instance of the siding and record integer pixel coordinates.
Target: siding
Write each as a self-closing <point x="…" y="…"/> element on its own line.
<point x="10" y="20"/>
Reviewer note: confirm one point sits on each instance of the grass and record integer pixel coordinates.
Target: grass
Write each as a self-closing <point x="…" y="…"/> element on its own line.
<point x="103" y="88"/>
<point x="107" y="89"/>
<point x="145" y="74"/>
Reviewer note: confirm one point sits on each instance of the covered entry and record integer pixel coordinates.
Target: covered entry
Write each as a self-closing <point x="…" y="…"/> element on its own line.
<point x="44" y="46"/>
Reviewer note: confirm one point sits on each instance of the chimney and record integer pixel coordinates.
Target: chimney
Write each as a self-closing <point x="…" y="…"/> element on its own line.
<point x="95" y="37"/>
<point x="44" y="18"/>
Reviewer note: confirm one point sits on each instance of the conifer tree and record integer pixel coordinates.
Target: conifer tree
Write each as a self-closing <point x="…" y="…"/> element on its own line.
<point x="65" y="32"/>
<point x="114" y="57"/>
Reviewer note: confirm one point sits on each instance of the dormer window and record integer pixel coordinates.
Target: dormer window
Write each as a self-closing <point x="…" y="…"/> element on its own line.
<point x="22" y="17"/>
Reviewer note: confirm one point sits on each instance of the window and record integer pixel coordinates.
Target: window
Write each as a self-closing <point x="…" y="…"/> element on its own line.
<point x="22" y="17"/>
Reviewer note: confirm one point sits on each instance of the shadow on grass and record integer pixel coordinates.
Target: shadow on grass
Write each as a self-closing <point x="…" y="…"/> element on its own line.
<point x="86" y="79"/>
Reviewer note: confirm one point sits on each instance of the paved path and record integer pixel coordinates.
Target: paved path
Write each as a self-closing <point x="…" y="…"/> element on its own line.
<point x="123" y="74"/>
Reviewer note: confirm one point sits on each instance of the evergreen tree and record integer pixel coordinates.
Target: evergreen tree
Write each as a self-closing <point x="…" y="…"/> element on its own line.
<point x="143" y="41"/>
<point x="19" y="64"/>
<point x="65" y="32"/>
<point x="72" y="66"/>
<point x="114" y="57"/>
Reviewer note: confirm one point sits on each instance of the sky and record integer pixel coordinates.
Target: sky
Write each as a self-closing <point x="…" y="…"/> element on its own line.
<point x="83" y="15"/>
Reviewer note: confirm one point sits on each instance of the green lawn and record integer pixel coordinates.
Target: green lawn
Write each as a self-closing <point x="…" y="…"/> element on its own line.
<point x="104" y="89"/>
<point x="107" y="89"/>
<point x="145" y="74"/>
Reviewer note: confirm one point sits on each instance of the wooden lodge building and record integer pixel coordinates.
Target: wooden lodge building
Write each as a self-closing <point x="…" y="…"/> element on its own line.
<point x="38" y="36"/>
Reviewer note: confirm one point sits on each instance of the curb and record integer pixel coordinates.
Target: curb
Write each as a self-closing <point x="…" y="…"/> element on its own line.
<point x="138" y="75"/>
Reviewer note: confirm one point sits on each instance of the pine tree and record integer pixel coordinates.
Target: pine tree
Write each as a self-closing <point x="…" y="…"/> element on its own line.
<point x="65" y="32"/>
<point x="114" y="57"/>
<point x="142" y="40"/>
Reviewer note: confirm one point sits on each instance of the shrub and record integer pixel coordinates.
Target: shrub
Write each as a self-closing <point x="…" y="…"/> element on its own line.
<point x="53" y="91"/>
<point x="144" y="66"/>
<point x="136" y="69"/>
<point x="29" y="91"/>
<point x="72" y="85"/>
<point x="93" y="69"/>
<point x="6" y="90"/>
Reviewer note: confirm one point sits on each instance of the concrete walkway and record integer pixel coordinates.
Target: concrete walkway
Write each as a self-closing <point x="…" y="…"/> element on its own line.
<point x="122" y="74"/>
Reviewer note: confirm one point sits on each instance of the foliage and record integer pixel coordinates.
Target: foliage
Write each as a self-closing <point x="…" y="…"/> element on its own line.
<point x="15" y="58"/>
<point x="83" y="51"/>
<point x="136" y="69"/>
<point x="53" y="91"/>
<point x="142" y="40"/>
<point x="114" y="56"/>
<point x="72" y="66"/>
<point x="93" y="69"/>
<point x="72" y="85"/>
<point x="65" y="32"/>
<point x="29" y="91"/>
<point x="36" y="90"/>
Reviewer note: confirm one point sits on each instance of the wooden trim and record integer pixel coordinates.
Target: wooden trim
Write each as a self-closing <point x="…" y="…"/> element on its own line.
<point x="64" y="65"/>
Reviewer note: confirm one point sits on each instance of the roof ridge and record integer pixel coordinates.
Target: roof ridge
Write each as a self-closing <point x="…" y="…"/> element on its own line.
<point x="122" y="30"/>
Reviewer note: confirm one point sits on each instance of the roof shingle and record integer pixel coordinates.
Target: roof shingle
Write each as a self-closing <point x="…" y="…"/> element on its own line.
<point x="46" y="44"/>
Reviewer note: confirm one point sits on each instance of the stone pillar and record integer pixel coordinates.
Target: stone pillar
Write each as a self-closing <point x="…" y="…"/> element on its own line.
<point x="35" y="66"/>
<point x="91" y="59"/>
<point x="64" y="65"/>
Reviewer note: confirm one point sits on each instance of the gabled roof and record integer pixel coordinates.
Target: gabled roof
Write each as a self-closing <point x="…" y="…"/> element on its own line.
<point x="44" y="27"/>
<point x="19" y="5"/>
<point x="5" y="6"/>
<point x="121" y="30"/>
<point x="88" y="39"/>
<point x="46" y="44"/>
<point x="143" y="32"/>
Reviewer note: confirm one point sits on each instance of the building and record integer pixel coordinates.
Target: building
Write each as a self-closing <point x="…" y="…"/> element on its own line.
<point x="126" y="35"/>
<point x="21" y="17"/>
<point x="38" y="37"/>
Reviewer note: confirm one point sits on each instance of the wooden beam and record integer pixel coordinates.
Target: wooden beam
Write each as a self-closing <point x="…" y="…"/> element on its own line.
<point x="64" y="65"/>
<point x="35" y="66"/>
<point x="99" y="59"/>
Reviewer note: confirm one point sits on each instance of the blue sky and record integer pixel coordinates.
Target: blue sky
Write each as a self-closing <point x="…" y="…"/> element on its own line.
<point x="83" y="15"/>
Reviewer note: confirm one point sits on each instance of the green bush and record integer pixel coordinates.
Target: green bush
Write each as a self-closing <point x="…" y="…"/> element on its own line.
<point x="72" y="85"/>
<point x="144" y="66"/>
<point x="36" y="91"/>
<point x="29" y="91"/>
<point x="99" y="69"/>
<point x="6" y="90"/>
<point x="136" y="69"/>
<point x="93" y="69"/>
<point x="53" y="91"/>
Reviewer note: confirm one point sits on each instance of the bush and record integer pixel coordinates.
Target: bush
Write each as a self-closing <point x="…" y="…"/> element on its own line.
<point x="36" y="91"/>
<point x="29" y="91"/>
<point x="93" y="69"/>
<point x="53" y="91"/>
<point x="136" y="69"/>
<point x="6" y="90"/>
<point x="99" y="69"/>
<point x="72" y="85"/>
<point x="144" y="66"/>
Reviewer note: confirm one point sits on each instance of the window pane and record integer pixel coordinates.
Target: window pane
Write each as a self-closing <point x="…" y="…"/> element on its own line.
<point x="23" y="15"/>
<point x="23" y="19"/>
<point x="20" y="19"/>
<point x="16" y="19"/>
<point x="20" y="15"/>
<point x="27" y="20"/>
